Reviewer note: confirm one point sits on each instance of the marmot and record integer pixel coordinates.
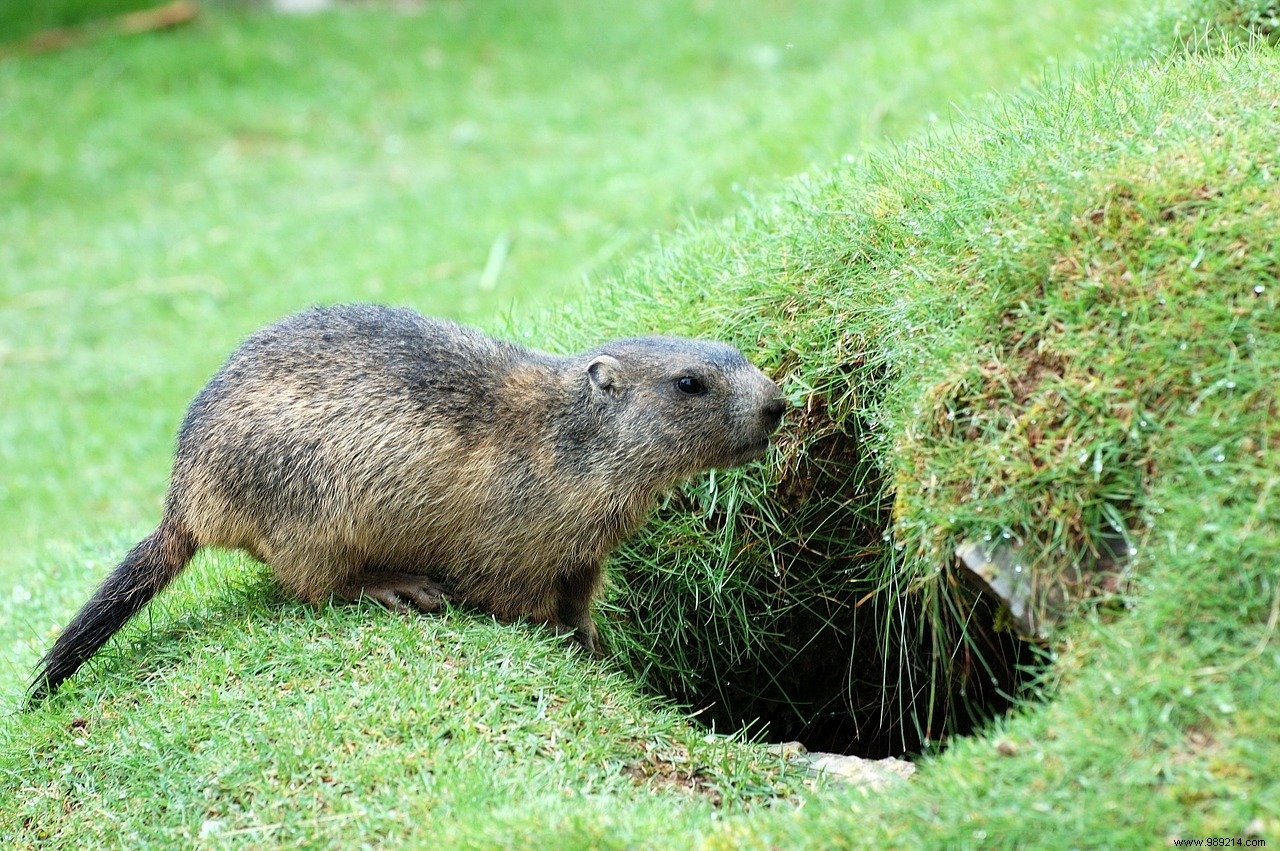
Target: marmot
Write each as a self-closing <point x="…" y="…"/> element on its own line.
<point x="367" y="451"/>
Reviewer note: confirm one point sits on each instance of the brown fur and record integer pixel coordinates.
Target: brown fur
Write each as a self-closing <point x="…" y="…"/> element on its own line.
<point x="367" y="451"/>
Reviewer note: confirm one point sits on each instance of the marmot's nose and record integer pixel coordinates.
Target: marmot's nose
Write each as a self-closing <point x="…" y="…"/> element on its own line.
<point x="773" y="411"/>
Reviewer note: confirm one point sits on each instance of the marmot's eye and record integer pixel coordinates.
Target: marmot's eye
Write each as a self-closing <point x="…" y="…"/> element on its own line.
<point x="690" y="386"/>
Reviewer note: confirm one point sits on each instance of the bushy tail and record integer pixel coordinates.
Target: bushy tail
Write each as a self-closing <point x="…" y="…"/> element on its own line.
<point x="145" y="571"/>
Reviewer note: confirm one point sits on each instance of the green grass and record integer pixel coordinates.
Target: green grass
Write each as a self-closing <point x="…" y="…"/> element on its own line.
<point x="926" y="304"/>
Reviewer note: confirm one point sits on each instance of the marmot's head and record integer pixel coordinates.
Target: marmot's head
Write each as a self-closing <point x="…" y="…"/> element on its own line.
<point x="681" y="406"/>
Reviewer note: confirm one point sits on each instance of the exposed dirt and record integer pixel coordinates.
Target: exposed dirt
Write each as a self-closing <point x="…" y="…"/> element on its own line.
<point x="671" y="767"/>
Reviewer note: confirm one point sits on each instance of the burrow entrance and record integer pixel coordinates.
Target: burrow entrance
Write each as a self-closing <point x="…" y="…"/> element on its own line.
<point x="848" y="665"/>
<point x="872" y="694"/>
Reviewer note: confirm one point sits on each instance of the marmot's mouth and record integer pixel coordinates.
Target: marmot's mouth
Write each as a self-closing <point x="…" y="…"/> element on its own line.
<point x="750" y="451"/>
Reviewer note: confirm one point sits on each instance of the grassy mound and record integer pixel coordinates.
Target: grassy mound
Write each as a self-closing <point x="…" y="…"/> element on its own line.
<point x="352" y="722"/>
<point x="1021" y="332"/>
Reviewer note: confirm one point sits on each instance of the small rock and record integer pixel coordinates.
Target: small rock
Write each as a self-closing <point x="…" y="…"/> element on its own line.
<point x="790" y="750"/>
<point x="872" y="774"/>
<point x="1000" y="569"/>
<point x="1037" y="603"/>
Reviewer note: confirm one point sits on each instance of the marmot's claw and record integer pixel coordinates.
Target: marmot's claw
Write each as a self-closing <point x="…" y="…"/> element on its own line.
<point x="401" y="592"/>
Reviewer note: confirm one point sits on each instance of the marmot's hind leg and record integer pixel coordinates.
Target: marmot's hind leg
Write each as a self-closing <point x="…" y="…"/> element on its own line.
<point x="400" y="592"/>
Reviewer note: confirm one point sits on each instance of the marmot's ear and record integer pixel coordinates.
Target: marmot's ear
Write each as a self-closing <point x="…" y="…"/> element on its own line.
<point x="604" y="373"/>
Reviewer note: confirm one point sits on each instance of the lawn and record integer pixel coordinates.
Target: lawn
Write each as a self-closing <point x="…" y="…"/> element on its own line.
<point x="970" y="204"/>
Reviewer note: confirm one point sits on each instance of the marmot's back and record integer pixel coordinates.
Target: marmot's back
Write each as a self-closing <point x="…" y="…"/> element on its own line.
<point x="359" y="355"/>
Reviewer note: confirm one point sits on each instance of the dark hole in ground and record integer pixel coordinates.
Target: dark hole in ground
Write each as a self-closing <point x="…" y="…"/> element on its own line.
<point x="857" y="693"/>
<point x="855" y="668"/>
